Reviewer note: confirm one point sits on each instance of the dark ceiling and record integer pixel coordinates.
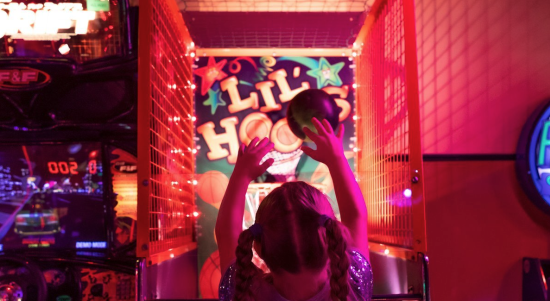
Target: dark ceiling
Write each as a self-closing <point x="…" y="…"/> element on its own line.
<point x="273" y="29"/>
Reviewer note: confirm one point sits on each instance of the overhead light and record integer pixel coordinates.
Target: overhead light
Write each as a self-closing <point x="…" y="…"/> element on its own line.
<point x="64" y="49"/>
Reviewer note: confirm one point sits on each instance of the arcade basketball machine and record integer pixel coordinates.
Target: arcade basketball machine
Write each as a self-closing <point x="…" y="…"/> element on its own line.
<point x="243" y="91"/>
<point x="68" y="145"/>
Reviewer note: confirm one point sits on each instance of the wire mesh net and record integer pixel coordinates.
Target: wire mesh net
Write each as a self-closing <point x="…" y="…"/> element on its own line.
<point x="288" y="30"/>
<point x="383" y="138"/>
<point x="171" y="149"/>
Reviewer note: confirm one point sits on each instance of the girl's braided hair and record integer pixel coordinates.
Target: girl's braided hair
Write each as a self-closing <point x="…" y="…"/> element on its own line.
<point x="293" y="240"/>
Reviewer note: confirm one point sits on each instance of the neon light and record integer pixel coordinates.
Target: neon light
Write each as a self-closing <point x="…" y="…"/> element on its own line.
<point x="544" y="143"/>
<point x="99" y="245"/>
<point x="83" y="244"/>
<point x="91" y="245"/>
<point x="43" y="21"/>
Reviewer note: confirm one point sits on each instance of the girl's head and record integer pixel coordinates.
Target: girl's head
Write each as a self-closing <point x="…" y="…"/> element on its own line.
<point x="293" y="240"/>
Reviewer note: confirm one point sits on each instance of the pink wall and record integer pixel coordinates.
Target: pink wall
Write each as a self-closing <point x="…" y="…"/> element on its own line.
<point x="484" y="66"/>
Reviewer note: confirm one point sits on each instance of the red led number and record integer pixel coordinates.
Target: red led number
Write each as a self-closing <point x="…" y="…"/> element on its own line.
<point x="52" y="167"/>
<point x="63" y="167"/>
<point x="92" y="167"/>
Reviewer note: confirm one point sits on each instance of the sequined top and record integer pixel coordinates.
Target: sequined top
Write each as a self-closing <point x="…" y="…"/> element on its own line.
<point x="360" y="281"/>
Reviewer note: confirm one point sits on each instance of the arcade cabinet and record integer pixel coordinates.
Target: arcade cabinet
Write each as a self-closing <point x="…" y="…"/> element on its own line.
<point x="242" y="93"/>
<point x="68" y="182"/>
<point x="72" y="224"/>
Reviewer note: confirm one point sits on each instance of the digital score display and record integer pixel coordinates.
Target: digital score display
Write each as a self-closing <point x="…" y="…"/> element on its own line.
<point x="533" y="157"/>
<point x="66" y="167"/>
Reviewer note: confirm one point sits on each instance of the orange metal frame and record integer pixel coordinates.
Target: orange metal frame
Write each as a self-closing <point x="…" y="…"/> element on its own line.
<point x="166" y="164"/>
<point x="414" y="156"/>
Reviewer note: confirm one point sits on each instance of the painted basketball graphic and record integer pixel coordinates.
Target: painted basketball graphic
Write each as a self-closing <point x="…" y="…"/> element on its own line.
<point x="283" y="138"/>
<point x="285" y="135"/>
<point x="210" y="276"/>
<point x="255" y="125"/>
<point x="211" y="187"/>
<point x="257" y="128"/>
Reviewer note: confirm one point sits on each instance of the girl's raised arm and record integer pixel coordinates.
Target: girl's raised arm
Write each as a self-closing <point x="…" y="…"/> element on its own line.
<point x="230" y="216"/>
<point x="353" y="210"/>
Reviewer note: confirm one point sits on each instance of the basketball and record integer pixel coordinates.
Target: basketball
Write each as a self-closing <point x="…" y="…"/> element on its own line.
<point x="210" y="276"/>
<point x="211" y="187"/>
<point x="308" y="104"/>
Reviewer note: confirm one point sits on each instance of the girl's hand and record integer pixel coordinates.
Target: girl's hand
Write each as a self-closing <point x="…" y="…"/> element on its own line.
<point x="248" y="160"/>
<point x="329" y="146"/>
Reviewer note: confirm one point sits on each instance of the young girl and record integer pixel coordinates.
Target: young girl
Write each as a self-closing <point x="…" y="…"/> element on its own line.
<point x="311" y="256"/>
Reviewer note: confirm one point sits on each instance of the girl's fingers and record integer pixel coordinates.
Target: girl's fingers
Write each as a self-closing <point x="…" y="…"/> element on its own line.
<point x="328" y="127"/>
<point x="340" y="134"/>
<point x="252" y="143"/>
<point x="318" y="126"/>
<point x="265" y="149"/>
<point x="267" y="164"/>
<point x="241" y="150"/>
<point x="263" y="143"/>
<point x="311" y="135"/>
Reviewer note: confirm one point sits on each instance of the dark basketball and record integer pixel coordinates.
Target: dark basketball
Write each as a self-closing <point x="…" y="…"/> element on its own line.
<point x="308" y="104"/>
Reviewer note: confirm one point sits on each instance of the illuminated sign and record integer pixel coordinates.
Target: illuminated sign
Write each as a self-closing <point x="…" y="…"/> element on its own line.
<point x="91" y="245"/>
<point x="43" y="21"/>
<point x="125" y="167"/>
<point x="22" y="78"/>
<point x="533" y="158"/>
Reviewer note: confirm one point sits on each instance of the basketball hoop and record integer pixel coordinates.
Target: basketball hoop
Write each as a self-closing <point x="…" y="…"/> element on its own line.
<point x="284" y="167"/>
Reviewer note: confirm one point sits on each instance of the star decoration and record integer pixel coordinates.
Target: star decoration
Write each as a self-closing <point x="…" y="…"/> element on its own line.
<point x="214" y="100"/>
<point x="211" y="73"/>
<point x="327" y="74"/>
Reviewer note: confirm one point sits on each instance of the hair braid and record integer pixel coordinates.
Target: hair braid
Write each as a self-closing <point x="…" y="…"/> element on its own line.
<point x="246" y="270"/>
<point x="339" y="261"/>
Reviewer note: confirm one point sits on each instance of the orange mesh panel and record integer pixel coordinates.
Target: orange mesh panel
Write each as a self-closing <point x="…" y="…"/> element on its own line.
<point x="165" y="131"/>
<point x="384" y="125"/>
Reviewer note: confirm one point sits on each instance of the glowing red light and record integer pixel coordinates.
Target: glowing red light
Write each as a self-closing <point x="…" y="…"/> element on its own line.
<point x="63" y="167"/>
<point x="52" y="167"/>
<point x="92" y="167"/>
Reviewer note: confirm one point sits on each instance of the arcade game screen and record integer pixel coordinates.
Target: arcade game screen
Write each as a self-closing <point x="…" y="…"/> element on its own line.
<point x="51" y="196"/>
